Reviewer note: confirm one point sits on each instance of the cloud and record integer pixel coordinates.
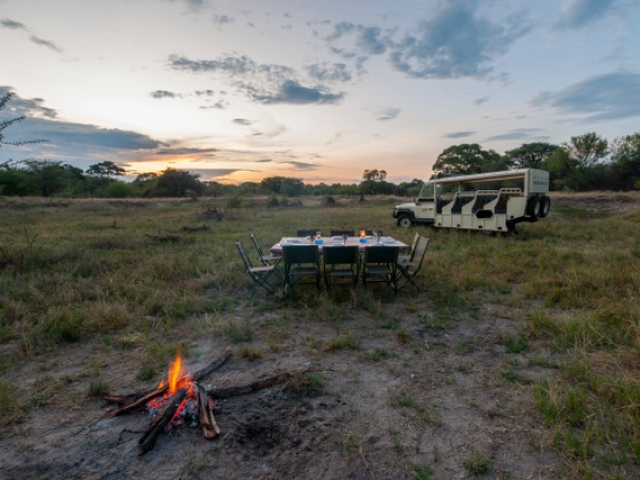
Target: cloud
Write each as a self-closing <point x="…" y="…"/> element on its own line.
<point x="462" y="134"/>
<point x="12" y="24"/>
<point x="242" y="121"/>
<point x="609" y="96"/>
<point x="303" y="166"/>
<point x="579" y="13"/>
<point x="7" y="23"/>
<point x="186" y="151"/>
<point x="292" y="92"/>
<point x="456" y="42"/>
<point x="164" y="94"/>
<point x="388" y="113"/>
<point x="26" y="107"/>
<point x="263" y="83"/>
<point x="45" y="43"/>
<point x="482" y="100"/>
<point x="337" y="72"/>
<point x="517" y="134"/>
<point x="66" y="133"/>
<point x="222" y="19"/>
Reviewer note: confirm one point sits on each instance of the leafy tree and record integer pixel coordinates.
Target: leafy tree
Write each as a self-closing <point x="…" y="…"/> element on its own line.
<point x="105" y="169"/>
<point x="178" y="183"/>
<point x="531" y="155"/>
<point x="48" y="177"/>
<point x="374" y="175"/>
<point x="468" y="158"/>
<point x="588" y="148"/>
<point x="626" y="161"/>
<point x="12" y="179"/>
<point x="146" y="177"/>
<point x="409" y="189"/>
<point x="374" y="183"/>
<point x="563" y="170"/>
<point x="283" y="185"/>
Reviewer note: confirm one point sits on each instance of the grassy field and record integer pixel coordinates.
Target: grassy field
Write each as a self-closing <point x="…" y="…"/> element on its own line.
<point x="132" y="274"/>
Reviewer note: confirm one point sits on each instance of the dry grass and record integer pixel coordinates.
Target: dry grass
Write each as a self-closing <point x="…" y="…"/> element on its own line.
<point x="73" y="271"/>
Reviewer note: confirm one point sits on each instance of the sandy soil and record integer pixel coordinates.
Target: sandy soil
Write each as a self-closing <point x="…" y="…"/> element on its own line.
<point x="434" y="399"/>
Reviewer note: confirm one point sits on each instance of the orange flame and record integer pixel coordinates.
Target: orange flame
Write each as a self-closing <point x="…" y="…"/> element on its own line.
<point x="174" y="374"/>
<point x="363" y="233"/>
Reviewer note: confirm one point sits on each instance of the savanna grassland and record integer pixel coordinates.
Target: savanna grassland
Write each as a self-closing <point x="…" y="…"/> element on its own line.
<point x="520" y="358"/>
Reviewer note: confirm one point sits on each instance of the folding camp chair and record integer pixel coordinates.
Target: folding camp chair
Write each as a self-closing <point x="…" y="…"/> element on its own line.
<point x="264" y="259"/>
<point x="380" y="266"/>
<point x="408" y="257"/>
<point x="260" y="275"/>
<point x="301" y="261"/>
<point x="408" y="270"/>
<point x="341" y="262"/>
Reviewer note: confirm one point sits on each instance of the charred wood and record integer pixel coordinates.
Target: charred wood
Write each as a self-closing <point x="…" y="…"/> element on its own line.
<point x="210" y="428"/>
<point x="148" y="440"/>
<point x="256" y="386"/>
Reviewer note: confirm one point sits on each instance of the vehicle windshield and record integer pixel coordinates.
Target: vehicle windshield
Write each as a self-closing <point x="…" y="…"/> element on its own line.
<point x="427" y="192"/>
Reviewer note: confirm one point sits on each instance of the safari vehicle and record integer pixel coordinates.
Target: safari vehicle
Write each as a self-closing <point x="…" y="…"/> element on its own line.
<point x="492" y="202"/>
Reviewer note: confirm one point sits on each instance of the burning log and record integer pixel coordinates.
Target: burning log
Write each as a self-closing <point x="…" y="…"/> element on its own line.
<point x="148" y="440"/>
<point x="132" y="402"/>
<point x="253" y="387"/>
<point x="210" y="428"/>
<point x="139" y="401"/>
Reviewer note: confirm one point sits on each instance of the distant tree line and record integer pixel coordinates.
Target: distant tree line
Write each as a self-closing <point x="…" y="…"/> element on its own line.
<point x="586" y="162"/>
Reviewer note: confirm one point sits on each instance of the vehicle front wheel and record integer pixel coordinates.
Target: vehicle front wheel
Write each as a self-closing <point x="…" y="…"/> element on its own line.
<point x="404" y="221"/>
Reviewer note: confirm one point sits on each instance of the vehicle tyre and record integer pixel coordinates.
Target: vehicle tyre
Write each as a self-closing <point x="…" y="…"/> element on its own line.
<point x="404" y="221"/>
<point x="533" y="207"/>
<point x="545" y="205"/>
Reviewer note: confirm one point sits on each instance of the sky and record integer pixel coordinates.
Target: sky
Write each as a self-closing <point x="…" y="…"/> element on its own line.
<point x="318" y="90"/>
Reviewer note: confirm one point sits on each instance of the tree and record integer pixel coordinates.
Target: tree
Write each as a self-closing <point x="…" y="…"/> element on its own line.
<point x="48" y="177"/>
<point x="588" y="148"/>
<point x="374" y="175"/>
<point x="105" y="169"/>
<point x="283" y="185"/>
<point x="12" y="179"/>
<point x="374" y="183"/>
<point x="563" y="170"/>
<point x="468" y="158"/>
<point x="531" y="155"/>
<point x="626" y="161"/>
<point x="178" y="183"/>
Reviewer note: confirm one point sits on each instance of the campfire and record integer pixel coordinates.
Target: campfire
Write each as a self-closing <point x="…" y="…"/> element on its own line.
<point x="182" y="397"/>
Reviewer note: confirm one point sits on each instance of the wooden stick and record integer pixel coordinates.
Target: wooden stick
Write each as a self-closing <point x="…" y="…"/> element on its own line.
<point x="141" y="401"/>
<point x="148" y="440"/>
<point x="210" y="428"/>
<point x="199" y="375"/>
<point x="253" y="387"/>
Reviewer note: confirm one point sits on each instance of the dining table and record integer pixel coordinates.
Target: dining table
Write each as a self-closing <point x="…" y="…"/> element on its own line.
<point x="339" y="241"/>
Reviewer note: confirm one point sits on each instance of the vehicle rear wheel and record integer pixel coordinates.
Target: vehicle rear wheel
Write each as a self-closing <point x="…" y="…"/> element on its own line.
<point x="545" y="205"/>
<point x="404" y="221"/>
<point x="533" y="206"/>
